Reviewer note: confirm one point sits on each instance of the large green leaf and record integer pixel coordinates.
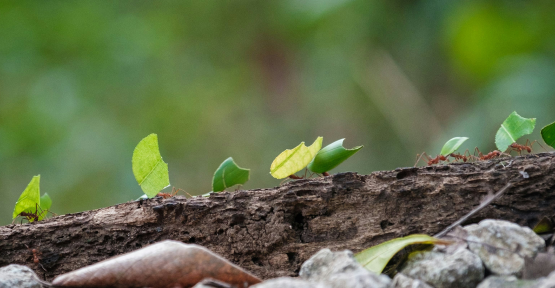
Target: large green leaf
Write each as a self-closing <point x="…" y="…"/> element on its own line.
<point x="514" y="127"/>
<point x="452" y="145"/>
<point x="331" y="156"/>
<point x="149" y="169"/>
<point x="375" y="258"/>
<point x="229" y="174"/>
<point x="29" y="199"/>
<point x="548" y="134"/>
<point x="294" y="160"/>
<point x="45" y="203"/>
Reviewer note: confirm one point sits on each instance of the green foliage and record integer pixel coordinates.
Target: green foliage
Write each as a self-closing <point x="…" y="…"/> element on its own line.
<point x="375" y="258"/>
<point x="149" y="169"/>
<point x="548" y="134"/>
<point x="452" y="145"/>
<point x="331" y="156"/>
<point x="29" y="199"/>
<point x="294" y="160"/>
<point x="31" y="202"/>
<point x="229" y="174"/>
<point x="514" y="127"/>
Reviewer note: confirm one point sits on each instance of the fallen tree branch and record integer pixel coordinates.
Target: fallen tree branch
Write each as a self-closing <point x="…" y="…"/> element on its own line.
<point x="270" y="232"/>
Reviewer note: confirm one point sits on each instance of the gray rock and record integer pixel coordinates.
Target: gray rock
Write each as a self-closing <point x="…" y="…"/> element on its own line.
<point x="508" y="281"/>
<point x="503" y="245"/>
<point x="402" y="281"/>
<point x="461" y="269"/>
<point x="548" y="282"/>
<point x="18" y="276"/>
<point x="340" y="270"/>
<point x="288" y="282"/>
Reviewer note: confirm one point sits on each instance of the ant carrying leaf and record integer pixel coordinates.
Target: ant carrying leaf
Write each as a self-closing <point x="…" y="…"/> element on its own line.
<point x="30" y="205"/>
<point x="447" y="151"/>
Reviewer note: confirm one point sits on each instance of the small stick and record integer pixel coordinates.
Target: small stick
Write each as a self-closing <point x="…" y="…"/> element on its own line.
<point x="474" y="211"/>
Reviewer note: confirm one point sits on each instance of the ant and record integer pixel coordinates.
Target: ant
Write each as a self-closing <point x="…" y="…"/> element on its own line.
<point x="462" y="157"/>
<point x="174" y="192"/>
<point x="36" y="254"/>
<point x="431" y="161"/>
<point x="489" y="156"/>
<point x="526" y="147"/>
<point x="32" y="216"/>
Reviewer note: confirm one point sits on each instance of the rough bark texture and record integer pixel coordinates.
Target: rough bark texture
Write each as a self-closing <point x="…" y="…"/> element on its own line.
<point x="270" y="232"/>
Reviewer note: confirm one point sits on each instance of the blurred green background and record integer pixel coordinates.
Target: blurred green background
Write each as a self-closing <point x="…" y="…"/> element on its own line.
<point x="82" y="82"/>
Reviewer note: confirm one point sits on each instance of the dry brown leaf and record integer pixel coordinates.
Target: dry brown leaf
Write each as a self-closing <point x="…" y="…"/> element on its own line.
<point x="161" y="265"/>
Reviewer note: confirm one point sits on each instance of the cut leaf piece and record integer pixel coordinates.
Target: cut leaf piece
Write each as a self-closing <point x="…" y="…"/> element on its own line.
<point x="229" y="174"/>
<point x="548" y="134"/>
<point x="45" y="203"/>
<point x="544" y="226"/>
<point x="149" y="169"/>
<point x="452" y="145"/>
<point x="331" y="156"/>
<point x="294" y="160"/>
<point x="29" y="199"/>
<point x="375" y="258"/>
<point x="514" y="127"/>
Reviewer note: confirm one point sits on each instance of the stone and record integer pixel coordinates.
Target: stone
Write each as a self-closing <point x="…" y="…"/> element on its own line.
<point x="402" y="281"/>
<point x="340" y="270"/>
<point x="503" y="245"/>
<point x="18" y="276"/>
<point x="462" y="269"/>
<point x="508" y="281"/>
<point x="289" y="282"/>
<point x="548" y="282"/>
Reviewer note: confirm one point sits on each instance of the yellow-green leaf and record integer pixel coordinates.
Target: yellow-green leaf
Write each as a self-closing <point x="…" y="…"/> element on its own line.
<point x="149" y="169"/>
<point x="514" y="127"/>
<point x="29" y="199"/>
<point x="331" y="156"/>
<point x="294" y="160"/>
<point x="229" y="174"/>
<point x="544" y="226"/>
<point x="375" y="258"/>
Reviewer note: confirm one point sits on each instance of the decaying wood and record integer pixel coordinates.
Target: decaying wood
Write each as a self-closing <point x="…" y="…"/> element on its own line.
<point x="270" y="232"/>
<point x="166" y="264"/>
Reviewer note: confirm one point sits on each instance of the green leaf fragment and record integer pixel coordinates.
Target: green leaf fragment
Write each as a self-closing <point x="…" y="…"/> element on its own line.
<point x="294" y="160"/>
<point x="45" y="203"/>
<point x="514" y="127"/>
<point x="375" y="258"/>
<point x="149" y="169"/>
<point x="548" y="134"/>
<point x="29" y="199"/>
<point x="229" y="174"/>
<point x="452" y="145"/>
<point x="544" y="226"/>
<point x="331" y="156"/>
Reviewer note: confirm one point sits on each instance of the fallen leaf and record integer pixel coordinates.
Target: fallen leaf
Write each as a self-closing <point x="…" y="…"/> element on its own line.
<point x="162" y="265"/>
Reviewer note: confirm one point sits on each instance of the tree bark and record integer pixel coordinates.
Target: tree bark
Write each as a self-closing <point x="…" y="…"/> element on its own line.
<point x="270" y="232"/>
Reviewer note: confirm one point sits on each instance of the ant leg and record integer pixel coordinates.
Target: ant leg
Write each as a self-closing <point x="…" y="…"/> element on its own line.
<point x="536" y="141"/>
<point x="419" y="158"/>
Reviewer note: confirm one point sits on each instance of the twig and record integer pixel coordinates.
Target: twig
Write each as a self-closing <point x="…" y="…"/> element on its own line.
<point x="474" y="211"/>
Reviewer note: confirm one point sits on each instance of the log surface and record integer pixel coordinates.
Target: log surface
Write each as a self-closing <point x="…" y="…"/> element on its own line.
<point x="270" y="232"/>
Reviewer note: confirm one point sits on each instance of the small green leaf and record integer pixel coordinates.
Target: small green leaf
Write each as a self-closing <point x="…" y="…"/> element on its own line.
<point x="294" y="160"/>
<point x="544" y="226"/>
<point x="229" y="174"/>
<point x="452" y="145"/>
<point x="29" y="199"/>
<point x="45" y="203"/>
<point x="149" y="169"/>
<point x="375" y="258"/>
<point x="331" y="156"/>
<point x="513" y="128"/>
<point x="548" y="134"/>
